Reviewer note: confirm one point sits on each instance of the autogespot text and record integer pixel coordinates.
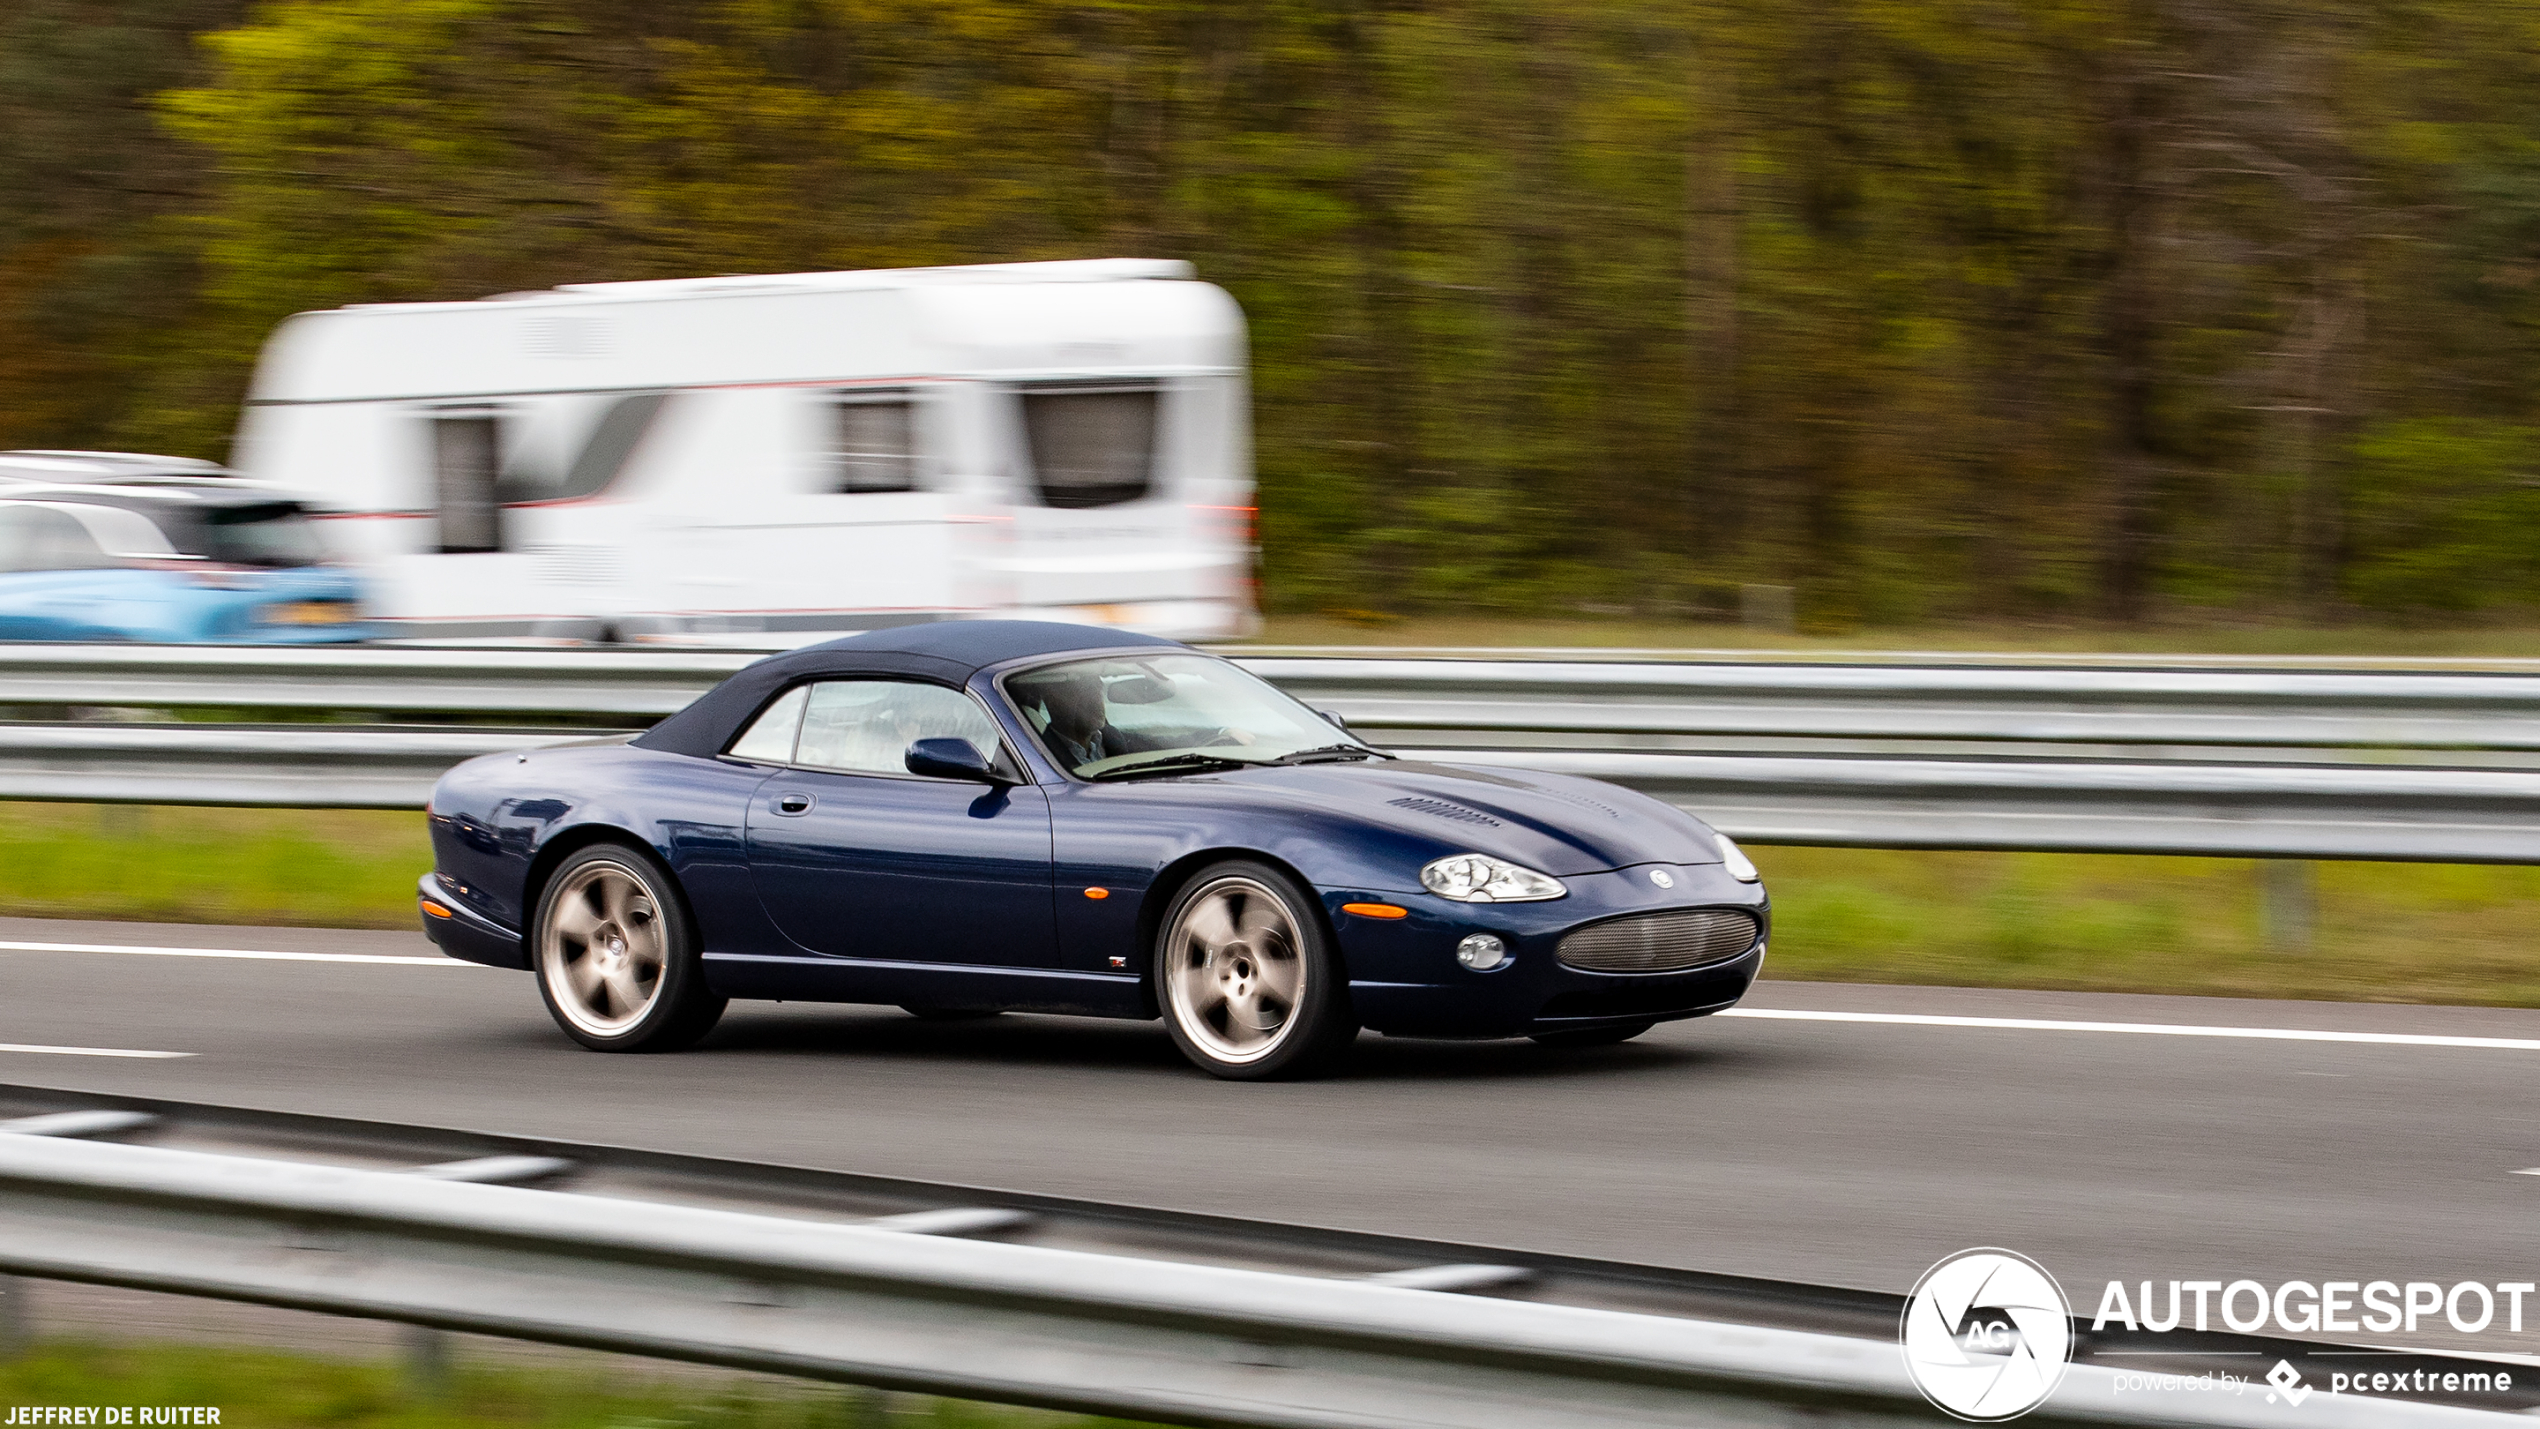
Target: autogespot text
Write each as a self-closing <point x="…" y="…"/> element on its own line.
<point x="2300" y="1307"/>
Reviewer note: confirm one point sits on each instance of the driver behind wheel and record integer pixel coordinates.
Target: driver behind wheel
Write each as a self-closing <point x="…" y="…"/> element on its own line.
<point x="1080" y="729"/>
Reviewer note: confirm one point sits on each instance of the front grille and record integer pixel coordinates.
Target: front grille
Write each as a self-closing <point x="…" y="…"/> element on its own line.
<point x="1660" y="942"/>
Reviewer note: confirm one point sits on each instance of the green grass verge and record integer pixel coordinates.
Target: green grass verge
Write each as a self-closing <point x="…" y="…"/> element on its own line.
<point x="2383" y="932"/>
<point x="260" y="1389"/>
<point x="328" y="868"/>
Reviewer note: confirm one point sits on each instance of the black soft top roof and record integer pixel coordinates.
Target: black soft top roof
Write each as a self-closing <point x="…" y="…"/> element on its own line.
<point x="950" y="650"/>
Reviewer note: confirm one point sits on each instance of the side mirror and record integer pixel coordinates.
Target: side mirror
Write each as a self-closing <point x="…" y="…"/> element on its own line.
<point x="951" y="759"/>
<point x="1334" y="716"/>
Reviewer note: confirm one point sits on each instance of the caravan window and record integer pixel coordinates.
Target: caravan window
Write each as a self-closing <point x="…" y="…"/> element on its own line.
<point x="1092" y="445"/>
<point x="873" y="444"/>
<point x="466" y="467"/>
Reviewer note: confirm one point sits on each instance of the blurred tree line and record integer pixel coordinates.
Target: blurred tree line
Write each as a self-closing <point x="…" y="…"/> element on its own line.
<point x="1929" y="308"/>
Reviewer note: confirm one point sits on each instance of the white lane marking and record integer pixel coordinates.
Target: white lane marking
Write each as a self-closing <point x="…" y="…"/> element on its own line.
<point x="85" y="1051"/>
<point x="2152" y="1029"/>
<point x="8" y="947"/>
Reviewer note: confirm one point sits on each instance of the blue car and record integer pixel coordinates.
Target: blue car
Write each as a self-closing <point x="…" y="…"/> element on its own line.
<point x="107" y="547"/>
<point x="968" y="818"/>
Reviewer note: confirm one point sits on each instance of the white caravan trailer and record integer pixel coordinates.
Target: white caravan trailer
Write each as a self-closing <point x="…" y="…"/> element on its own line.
<point x="775" y="460"/>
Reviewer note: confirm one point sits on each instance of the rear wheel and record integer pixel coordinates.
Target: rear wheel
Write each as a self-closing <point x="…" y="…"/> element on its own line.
<point x="616" y="958"/>
<point x="1247" y="978"/>
<point x="1594" y="1036"/>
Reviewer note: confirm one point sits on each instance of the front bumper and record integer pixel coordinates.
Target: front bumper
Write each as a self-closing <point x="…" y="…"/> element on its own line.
<point x="1405" y="981"/>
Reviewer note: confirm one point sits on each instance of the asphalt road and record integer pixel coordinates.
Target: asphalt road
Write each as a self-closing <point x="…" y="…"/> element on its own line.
<point x="1839" y="1152"/>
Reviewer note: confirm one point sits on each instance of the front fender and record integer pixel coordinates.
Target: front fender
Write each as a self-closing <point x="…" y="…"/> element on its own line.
<point x="1120" y="851"/>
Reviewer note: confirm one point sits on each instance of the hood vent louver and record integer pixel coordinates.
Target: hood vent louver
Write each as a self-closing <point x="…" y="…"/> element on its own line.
<point x="1582" y="801"/>
<point x="1445" y="810"/>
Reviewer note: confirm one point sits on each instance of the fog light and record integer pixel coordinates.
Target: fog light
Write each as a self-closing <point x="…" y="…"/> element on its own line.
<point x="1482" y="952"/>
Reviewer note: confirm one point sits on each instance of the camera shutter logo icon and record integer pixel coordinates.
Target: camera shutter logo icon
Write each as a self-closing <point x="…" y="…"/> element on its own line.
<point x="1987" y="1335"/>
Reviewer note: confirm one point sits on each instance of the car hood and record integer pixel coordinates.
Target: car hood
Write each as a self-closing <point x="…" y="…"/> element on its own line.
<point x="1555" y="823"/>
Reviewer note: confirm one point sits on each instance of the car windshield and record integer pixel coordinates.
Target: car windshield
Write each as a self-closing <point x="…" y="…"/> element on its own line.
<point x="264" y="535"/>
<point x="1120" y="715"/>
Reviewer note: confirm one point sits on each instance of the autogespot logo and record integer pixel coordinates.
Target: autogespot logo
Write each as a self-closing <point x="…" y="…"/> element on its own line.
<point x="1987" y="1335"/>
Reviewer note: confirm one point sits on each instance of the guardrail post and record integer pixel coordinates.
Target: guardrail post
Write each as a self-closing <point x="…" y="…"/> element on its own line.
<point x="870" y="1408"/>
<point x="2289" y="902"/>
<point x="427" y="1360"/>
<point x="17" y="1317"/>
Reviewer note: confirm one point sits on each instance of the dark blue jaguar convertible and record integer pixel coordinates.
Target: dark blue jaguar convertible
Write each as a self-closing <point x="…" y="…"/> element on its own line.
<point x="975" y="817"/>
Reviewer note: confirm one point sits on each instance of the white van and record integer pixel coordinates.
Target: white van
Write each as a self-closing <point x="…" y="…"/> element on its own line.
<point x="775" y="460"/>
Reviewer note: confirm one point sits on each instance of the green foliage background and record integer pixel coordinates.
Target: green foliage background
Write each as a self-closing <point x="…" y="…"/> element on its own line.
<point x="1932" y="309"/>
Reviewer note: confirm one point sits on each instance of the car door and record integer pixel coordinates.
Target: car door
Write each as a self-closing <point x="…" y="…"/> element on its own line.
<point x="854" y="857"/>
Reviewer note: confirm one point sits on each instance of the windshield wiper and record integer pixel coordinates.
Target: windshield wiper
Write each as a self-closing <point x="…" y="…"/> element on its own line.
<point x="1178" y="762"/>
<point x="1324" y="753"/>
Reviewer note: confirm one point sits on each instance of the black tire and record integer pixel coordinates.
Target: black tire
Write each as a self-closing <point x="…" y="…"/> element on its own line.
<point x="1594" y="1036"/>
<point x="1247" y="977"/>
<point x="616" y="954"/>
<point x="949" y="1014"/>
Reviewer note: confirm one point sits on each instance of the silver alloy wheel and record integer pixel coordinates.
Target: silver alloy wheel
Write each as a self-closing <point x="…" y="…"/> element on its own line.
<point x="1234" y="970"/>
<point x="603" y="950"/>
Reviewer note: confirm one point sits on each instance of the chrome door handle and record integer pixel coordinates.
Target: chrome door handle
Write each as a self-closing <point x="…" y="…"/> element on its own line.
<point x="794" y="804"/>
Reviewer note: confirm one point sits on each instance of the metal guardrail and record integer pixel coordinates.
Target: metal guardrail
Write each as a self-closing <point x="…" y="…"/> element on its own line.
<point x="895" y="1307"/>
<point x="1913" y="696"/>
<point x="2005" y="710"/>
<point x="2432" y="815"/>
<point x="641" y="684"/>
<point x="313" y="766"/>
<point x="2267" y="811"/>
<point x="2277" y="761"/>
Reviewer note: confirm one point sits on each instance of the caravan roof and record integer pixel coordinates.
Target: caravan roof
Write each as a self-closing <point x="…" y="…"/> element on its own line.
<point x="1089" y="270"/>
<point x="1095" y="317"/>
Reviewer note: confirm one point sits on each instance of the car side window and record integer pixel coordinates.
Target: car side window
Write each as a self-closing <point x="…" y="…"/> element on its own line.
<point x="866" y="726"/>
<point x="770" y="737"/>
<point x="16" y="540"/>
<point x="35" y="539"/>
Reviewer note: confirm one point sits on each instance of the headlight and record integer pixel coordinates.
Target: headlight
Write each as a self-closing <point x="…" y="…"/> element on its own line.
<point x="1739" y="865"/>
<point x="1479" y="878"/>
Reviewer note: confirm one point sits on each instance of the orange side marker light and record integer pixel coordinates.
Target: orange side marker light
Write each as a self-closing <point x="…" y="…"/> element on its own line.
<point x="1375" y="910"/>
<point x="1098" y="893"/>
<point x="435" y="909"/>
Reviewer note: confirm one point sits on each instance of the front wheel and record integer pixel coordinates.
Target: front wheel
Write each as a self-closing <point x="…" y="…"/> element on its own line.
<point x="616" y="957"/>
<point x="1247" y="977"/>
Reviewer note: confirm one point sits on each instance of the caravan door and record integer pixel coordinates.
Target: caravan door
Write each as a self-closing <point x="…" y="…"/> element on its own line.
<point x="803" y="511"/>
